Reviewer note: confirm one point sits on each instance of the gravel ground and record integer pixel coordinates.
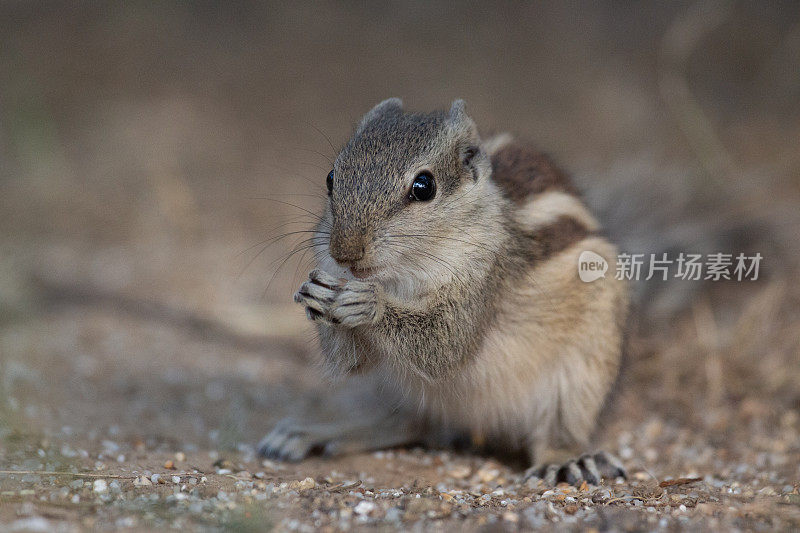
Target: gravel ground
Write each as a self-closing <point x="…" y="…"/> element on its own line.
<point x="124" y="486"/>
<point x="103" y="441"/>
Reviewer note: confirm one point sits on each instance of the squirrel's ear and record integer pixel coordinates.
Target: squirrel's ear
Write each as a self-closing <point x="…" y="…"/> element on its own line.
<point x="458" y="110"/>
<point x="390" y="105"/>
<point x="458" y="118"/>
<point x="466" y="138"/>
<point x="462" y="125"/>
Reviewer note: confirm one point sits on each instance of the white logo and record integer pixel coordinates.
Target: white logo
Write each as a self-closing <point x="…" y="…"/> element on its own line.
<point x="591" y="266"/>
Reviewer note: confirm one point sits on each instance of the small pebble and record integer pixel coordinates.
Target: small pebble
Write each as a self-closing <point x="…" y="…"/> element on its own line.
<point x="364" y="508"/>
<point x="601" y="495"/>
<point x="459" y="472"/>
<point x="32" y="523"/>
<point x="307" y="483"/>
<point x="142" y="482"/>
<point x="487" y="474"/>
<point x="394" y="515"/>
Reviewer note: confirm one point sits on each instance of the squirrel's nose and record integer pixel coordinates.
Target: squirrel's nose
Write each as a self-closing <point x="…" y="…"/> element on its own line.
<point x="347" y="249"/>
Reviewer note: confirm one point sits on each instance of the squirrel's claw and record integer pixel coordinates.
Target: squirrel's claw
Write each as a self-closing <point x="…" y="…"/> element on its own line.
<point x="316" y="296"/>
<point x="589" y="468"/>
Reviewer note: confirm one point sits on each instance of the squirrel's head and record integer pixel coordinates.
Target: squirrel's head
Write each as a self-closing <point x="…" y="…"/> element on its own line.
<point x="405" y="190"/>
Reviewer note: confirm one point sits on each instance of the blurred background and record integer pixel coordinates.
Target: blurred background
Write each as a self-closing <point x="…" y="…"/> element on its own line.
<point x="150" y="151"/>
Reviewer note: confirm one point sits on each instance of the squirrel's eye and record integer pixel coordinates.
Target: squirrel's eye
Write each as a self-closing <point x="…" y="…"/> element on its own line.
<point x="329" y="182"/>
<point x="423" y="188"/>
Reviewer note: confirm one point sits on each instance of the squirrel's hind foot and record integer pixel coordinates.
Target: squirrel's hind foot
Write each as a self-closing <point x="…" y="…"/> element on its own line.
<point x="591" y="468"/>
<point x="291" y="441"/>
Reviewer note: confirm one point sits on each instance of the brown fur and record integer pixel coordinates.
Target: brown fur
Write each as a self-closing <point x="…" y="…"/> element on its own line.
<point x="521" y="172"/>
<point x="551" y="239"/>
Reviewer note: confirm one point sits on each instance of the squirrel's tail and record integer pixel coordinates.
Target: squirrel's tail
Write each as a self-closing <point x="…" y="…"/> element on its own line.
<point x="648" y="209"/>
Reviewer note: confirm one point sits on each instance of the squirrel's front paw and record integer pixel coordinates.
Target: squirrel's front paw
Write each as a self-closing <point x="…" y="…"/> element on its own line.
<point x="357" y="303"/>
<point x="317" y="294"/>
<point x="347" y="303"/>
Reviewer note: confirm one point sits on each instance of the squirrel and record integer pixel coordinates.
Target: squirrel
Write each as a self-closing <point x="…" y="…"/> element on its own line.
<point x="447" y="280"/>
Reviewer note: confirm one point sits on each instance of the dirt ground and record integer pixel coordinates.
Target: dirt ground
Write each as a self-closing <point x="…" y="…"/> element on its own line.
<point x="110" y="432"/>
<point x="151" y="156"/>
